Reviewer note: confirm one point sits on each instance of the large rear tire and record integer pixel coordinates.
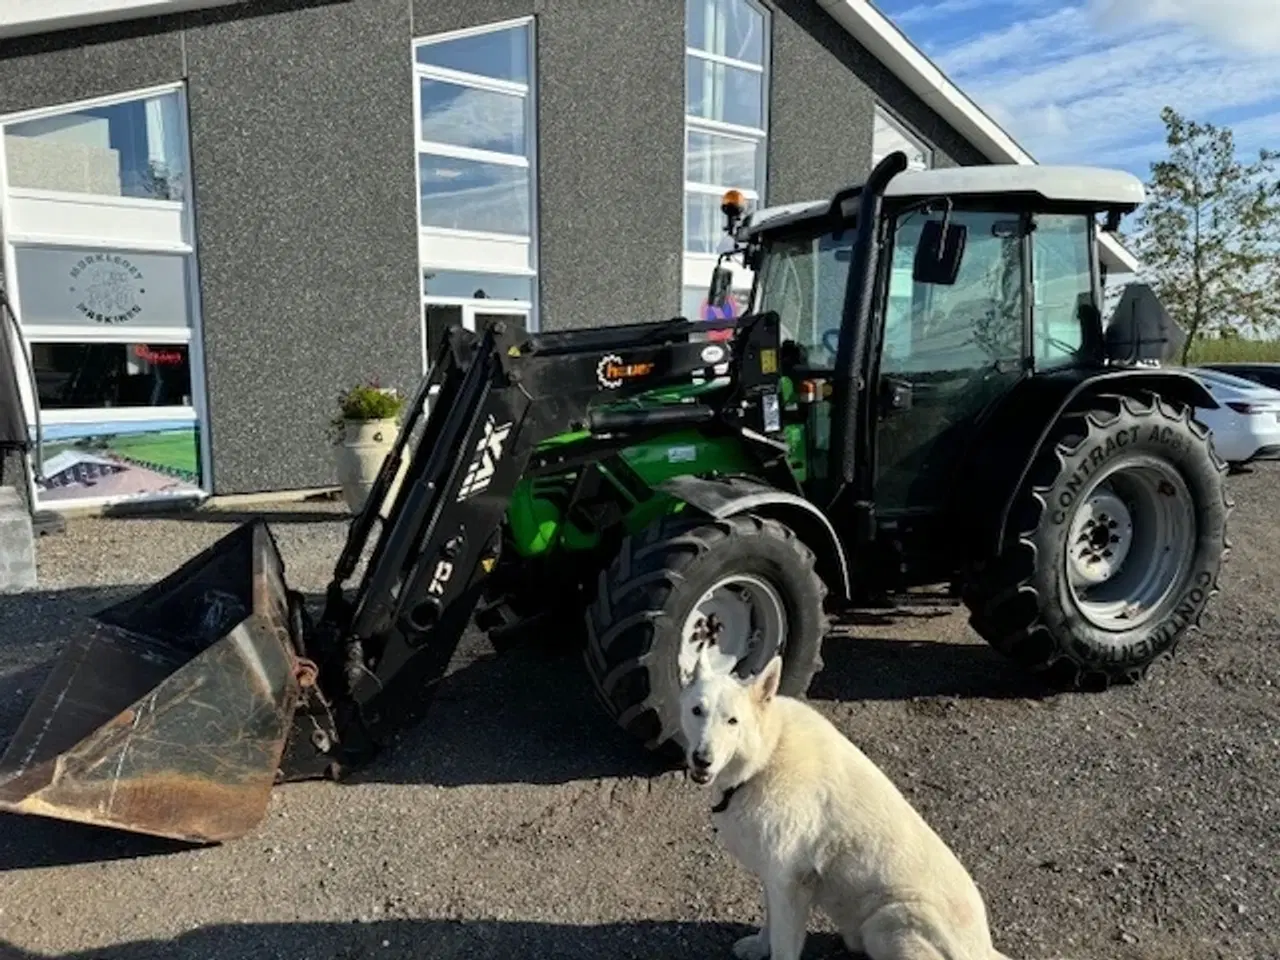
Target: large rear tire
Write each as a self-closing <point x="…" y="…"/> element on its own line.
<point x="1118" y="539"/>
<point x="752" y="576"/>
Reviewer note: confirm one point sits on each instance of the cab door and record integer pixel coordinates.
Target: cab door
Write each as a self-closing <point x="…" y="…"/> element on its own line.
<point x="948" y="352"/>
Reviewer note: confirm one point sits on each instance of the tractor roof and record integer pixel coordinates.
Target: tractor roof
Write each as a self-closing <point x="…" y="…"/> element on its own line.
<point x="1063" y="184"/>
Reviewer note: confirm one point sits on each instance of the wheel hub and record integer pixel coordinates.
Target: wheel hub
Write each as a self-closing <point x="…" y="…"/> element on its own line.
<point x="1100" y="539"/>
<point x="1130" y="543"/>
<point x="740" y="621"/>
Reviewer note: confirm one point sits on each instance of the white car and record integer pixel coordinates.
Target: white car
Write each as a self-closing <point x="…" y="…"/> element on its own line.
<point x="1246" y="423"/>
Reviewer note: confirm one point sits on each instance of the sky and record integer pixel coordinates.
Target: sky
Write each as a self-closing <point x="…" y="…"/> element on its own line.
<point x="1084" y="81"/>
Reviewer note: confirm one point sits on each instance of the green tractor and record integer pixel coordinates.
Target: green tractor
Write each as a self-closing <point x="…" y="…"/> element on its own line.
<point x="921" y="392"/>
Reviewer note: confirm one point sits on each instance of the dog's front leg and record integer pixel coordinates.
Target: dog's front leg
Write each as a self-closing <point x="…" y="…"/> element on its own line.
<point x="755" y="946"/>
<point x="790" y="900"/>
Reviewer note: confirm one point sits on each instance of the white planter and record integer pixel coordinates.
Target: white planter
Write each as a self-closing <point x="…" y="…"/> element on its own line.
<point x="358" y="458"/>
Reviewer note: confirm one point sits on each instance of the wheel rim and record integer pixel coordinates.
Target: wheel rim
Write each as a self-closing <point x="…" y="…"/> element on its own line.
<point x="1129" y="544"/>
<point x="745" y="619"/>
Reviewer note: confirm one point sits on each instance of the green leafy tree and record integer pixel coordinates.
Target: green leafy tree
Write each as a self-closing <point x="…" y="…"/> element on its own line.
<point x="1209" y="233"/>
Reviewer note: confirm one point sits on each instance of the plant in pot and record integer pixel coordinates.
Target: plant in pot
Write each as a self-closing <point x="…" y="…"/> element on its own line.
<point x="364" y="431"/>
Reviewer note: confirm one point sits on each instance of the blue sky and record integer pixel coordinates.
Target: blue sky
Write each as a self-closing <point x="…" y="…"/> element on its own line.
<point x="1083" y="81"/>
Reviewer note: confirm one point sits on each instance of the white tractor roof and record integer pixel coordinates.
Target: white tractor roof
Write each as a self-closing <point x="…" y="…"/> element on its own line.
<point x="1062" y="184"/>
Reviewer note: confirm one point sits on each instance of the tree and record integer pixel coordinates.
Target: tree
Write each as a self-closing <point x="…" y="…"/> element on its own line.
<point x="1209" y="233"/>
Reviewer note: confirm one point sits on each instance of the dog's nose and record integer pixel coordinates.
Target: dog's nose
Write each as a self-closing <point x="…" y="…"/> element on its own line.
<point x="700" y="760"/>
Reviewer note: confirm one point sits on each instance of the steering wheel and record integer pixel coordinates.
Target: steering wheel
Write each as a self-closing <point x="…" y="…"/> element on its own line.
<point x="831" y="341"/>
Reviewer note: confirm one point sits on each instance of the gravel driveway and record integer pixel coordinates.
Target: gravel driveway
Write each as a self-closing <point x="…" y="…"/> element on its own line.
<point x="1142" y="824"/>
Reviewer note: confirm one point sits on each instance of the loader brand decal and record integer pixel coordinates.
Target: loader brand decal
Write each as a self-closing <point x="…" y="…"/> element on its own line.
<point x="769" y="361"/>
<point x="485" y="462"/>
<point x="440" y="577"/>
<point x="611" y="371"/>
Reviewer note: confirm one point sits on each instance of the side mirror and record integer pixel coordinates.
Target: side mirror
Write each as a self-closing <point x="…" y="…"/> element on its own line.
<point x="721" y="281"/>
<point x="939" y="253"/>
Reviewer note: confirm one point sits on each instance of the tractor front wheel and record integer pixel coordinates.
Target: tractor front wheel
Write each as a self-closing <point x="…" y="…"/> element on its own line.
<point x="747" y="581"/>
<point x="1117" y="543"/>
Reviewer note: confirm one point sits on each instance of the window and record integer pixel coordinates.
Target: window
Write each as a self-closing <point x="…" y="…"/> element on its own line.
<point x="804" y="281"/>
<point x="477" y="182"/>
<point x="96" y="205"/>
<point x="726" y="123"/>
<point x="892" y="134"/>
<point x="972" y="325"/>
<point x="134" y="148"/>
<point x="726" y="132"/>
<point x="1063" y="276"/>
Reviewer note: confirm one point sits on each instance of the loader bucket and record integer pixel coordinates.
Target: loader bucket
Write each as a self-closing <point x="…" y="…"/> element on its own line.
<point x="167" y="713"/>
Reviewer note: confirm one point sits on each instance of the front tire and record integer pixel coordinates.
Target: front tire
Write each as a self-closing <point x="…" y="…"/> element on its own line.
<point x="663" y="583"/>
<point x="1120" y="536"/>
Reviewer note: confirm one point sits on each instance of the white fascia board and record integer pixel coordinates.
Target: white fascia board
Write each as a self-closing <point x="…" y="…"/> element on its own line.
<point x="24" y="17"/>
<point x="922" y="76"/>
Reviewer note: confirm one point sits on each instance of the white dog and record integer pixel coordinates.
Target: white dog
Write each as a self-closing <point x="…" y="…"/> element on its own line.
<point x="821" y="826"/>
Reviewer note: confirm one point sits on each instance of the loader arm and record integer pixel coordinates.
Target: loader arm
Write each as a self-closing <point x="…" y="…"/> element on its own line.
<point x="175" y="711"/>
<point x="499" y="396"/>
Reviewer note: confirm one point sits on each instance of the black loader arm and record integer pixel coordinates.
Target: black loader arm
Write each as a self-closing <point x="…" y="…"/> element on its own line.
<point x="496" y="397"/>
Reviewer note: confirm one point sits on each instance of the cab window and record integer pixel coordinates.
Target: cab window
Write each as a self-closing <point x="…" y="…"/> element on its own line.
<point x="803" y="281"/>
<point x="1063" y="285"/>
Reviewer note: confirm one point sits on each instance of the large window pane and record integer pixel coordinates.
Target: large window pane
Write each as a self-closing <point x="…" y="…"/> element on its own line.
<point x="470" y="195"/>
<point x="96" y="288"/>
<point x="720" y="160"/>
<point x="467" y="117"/>
<point x="500" y="54"/>
<point x="102" y="375"/>
<point x="731" y="28"/>
<point x="106" y="459"/>
<point x="132" y="149"/>
<point x="476" y="286"/>
<point x="716" y="91"/>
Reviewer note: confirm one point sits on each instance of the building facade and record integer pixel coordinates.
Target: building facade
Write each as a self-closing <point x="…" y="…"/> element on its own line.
<point x="215" y="219"/>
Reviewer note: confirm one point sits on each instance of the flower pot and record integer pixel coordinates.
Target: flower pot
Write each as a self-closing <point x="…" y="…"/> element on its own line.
<point x="358" y="458"/>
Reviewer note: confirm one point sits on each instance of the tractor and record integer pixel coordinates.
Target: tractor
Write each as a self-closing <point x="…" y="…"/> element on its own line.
<point x="922" y="391"/>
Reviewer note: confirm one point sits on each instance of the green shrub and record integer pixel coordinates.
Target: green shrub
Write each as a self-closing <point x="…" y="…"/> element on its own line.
<point x="365" y="401"/>
<point x="1234" y="349"/>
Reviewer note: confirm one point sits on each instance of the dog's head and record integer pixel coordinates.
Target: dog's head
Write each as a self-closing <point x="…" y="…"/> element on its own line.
<point x="720" y="716"/>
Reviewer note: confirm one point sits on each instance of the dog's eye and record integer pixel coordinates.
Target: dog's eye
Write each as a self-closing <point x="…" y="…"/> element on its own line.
<point x="697" y="711"/>
<point x="733" y="720"/>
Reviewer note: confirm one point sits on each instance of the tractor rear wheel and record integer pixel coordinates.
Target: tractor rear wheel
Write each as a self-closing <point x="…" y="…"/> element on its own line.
<point x="748" y="580"/>
<point x="1118" y="538"/>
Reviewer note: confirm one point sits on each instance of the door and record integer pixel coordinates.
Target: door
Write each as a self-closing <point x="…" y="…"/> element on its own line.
<point x="948" y="351"/>
<point x="473" y="315"/>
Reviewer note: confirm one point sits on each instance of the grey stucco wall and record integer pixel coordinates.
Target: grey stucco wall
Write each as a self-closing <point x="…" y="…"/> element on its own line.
<point x="304" y="184"/>
<point x="822" y="113"/>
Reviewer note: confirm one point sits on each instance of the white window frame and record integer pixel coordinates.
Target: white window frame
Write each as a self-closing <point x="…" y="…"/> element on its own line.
<point x="181" y="213"/>
<point x="486" y="252"/>
<point x="697" y="266"/>
<point x="904" y="130"/>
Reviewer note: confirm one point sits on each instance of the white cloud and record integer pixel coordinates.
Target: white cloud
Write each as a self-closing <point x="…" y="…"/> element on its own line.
<point x="1251" y="25"/>
<point x="1086" y="83"/>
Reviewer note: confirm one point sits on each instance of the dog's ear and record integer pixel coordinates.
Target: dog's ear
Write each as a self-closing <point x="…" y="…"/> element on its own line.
<point x="700" y="664"/>
<point x="770" y="677"/>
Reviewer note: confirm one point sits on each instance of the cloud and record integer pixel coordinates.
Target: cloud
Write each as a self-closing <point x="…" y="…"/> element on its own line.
<point x="1250" y="25"/>
<point x="1086" y="83"/>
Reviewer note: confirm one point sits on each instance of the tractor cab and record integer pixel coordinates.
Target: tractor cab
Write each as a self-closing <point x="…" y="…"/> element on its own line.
<point x="978" y="278"/>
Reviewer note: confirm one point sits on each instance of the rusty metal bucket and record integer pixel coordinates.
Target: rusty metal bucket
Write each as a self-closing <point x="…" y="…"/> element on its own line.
<point x="167" y="713"/>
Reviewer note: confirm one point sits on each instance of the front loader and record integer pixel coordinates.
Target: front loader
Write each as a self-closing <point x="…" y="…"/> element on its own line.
<point x="922" y="392"/>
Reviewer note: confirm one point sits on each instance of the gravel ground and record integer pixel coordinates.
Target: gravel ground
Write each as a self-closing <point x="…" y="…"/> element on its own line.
<point x="515" y="822"/>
